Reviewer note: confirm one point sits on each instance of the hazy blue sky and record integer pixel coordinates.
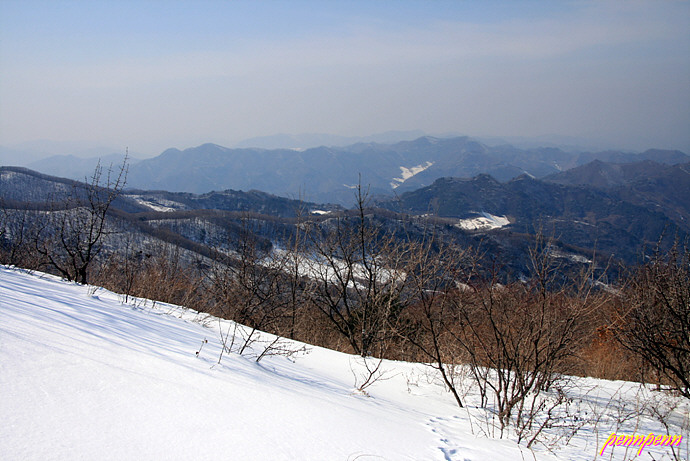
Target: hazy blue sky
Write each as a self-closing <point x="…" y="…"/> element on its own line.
<point x="156" y="74"/>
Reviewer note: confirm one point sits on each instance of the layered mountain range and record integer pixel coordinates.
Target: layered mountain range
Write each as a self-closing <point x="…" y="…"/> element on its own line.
<point x="329" y="174"/>
<point x="616" y="209"/>
<point x="497" y="198"/>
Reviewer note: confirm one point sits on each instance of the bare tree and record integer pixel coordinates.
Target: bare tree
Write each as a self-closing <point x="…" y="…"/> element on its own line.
<point x="124" y="270"/>
<point x="521" y="337"/>
<point x="654" y="316"/>
<point x="358" y="279"/>
<point x="16" y="226"/>
<point x="433" y="272"/>
<point x="297" y="286"/>
<point x="72" y="239"/>
<point x="515" y="338"/>
<point x="248" y="288"/>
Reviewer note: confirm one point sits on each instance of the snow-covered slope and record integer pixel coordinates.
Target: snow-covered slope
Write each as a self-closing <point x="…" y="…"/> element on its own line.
<point x="83" y="376"/>
<point x="407" y="173"/>
<point x="486" y="221"/>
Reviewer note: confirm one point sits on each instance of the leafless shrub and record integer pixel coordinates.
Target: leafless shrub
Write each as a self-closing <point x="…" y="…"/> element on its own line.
<point x="245" y="289"/>
<point x="517" y="339"/>
<point x="158" y="272"/>
<point x="281" y="347"/>
<point x="629" y="411"/>
<point x="359" y="278"/>
<point x="427" y="325"/>
<point x="71" y="236"/>
<point x="526" y="334"/>
<point x="17" y="226"/>
<point x="367" y="371"/>
<point x="254" y="289"/>
<point x="654" y="317"/>
<point x="673" y="412"/>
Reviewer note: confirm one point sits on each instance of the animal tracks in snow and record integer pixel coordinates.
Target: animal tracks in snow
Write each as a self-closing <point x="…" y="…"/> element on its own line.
<point x="443" y="428"/>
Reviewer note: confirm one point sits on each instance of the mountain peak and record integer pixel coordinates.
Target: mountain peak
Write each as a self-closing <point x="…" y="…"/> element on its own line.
<point x="485" y="178"/>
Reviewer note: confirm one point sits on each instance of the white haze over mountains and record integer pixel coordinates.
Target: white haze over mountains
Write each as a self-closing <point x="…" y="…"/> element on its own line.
<point x="152" y="75"/>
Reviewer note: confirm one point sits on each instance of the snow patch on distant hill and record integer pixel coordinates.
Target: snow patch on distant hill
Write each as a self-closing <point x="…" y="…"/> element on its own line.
<point x="570" y="256"/>
<point x="407" y="173"/>
<point x="7" y="175"/>
<point x="157" y="204"/>
<point x="486" y="221"/>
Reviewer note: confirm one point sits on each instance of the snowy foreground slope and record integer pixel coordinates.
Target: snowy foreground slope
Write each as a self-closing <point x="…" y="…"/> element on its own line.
<point x="83" y="376"/>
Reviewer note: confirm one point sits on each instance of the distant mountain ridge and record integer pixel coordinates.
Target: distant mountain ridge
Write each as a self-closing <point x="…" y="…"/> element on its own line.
<point x="604" y="175"/>
<point x="78" y="168"/>
<point x="329" y="174"/>
<point x="308" y="140"/>
<point x="646" y="183"/>
<point x="614" y="217"/>
<point x="19" y="184"/>
<point x="617" y="209"/>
